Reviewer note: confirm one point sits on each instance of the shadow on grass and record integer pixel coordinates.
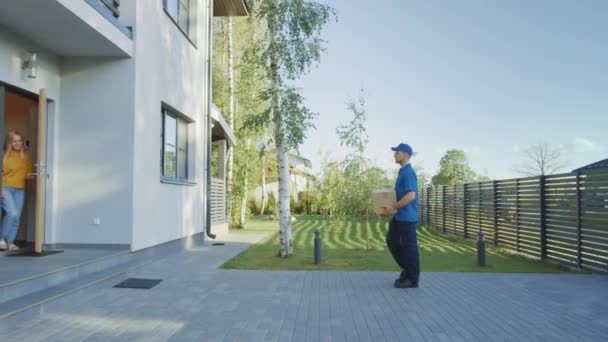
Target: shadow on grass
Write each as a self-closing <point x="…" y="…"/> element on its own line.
<point x="345" y="248"/>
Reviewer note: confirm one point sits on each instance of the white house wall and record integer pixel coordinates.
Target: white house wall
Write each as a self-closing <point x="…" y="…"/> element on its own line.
<point x="104" y="124"/>
<point x="93" y="148"/>
<point x="94" y="161"/>
<point x="12" y="48"/>
<point x="172" y="70"/>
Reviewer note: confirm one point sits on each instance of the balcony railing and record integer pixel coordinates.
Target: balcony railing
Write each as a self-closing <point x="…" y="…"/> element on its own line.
<point x="218" y="201"/>
<point x="110" y="10"/>
<point x="111" y="6"/>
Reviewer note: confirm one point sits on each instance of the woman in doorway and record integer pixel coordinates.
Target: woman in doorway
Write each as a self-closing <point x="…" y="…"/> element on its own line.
<point x="17" y="168"/>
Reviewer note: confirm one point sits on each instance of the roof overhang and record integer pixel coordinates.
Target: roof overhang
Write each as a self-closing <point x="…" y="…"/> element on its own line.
<point x="230" y="8"/>
<point x="221" y="130"/>
<point x="68" y="27"/>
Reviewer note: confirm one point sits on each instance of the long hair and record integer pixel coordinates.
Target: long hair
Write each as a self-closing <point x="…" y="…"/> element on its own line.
<point x="8" y="143"/>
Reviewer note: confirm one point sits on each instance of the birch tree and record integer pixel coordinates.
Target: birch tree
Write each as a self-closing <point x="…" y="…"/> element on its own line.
<point x="292" y="45"/>
<point x="238" y="81"/>
<point x="231" y="99"/>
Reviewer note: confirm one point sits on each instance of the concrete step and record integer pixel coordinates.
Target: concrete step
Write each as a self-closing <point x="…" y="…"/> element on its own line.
<point x="34" y="300"/>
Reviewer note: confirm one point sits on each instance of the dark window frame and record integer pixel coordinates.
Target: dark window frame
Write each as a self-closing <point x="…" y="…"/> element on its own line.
<point x="175" y="21"/>
<point x="168" y="111"/>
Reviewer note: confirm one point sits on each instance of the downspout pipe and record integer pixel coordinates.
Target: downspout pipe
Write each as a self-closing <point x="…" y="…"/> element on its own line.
<point x="209" y="121"/>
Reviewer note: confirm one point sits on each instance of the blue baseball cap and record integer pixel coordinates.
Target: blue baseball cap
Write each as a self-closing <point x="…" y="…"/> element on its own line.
<point x="404" y="148"/>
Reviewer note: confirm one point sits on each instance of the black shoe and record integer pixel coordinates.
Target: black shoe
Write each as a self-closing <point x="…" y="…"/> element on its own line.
<point x="406" y="284"/>
<point x="402" y="277"/>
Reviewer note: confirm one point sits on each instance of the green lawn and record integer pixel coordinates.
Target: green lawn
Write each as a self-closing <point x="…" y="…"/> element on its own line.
<point x="348" y="249"/>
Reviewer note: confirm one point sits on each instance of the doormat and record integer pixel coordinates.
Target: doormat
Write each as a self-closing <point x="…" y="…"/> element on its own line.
<point x="33" y="254"/>
<point x="218" y="244"/>
<point x="138" y="283"/>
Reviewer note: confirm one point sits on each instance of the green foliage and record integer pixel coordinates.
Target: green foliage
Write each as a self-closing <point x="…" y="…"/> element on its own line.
<point x="169" y="164"/>
<point x="250" y="81"/>
<point x="294" y="28"/>
<point x="309" y="202"/>
<point x="215" y="159"/>
<point x="346" y="186"/>
<point x="297" y="207"/>
<point x="454" y="169"/>
<point x="220" y="66"/>
<point x="298" y="119"/>
<point x="271" y="206"/>
<point x="291" y="45"/>
<point x="254" y="206"/>
<point x="354" y="134"/>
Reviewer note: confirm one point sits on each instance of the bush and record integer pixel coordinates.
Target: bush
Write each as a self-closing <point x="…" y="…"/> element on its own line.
<point x="309" y="203"/>
<point x="254" y="206"/>
<point x="298" y="207"/>
<point x="271" y="205"/>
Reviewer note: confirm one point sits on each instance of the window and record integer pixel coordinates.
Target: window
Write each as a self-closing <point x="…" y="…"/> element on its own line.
<point x="175" y="149"/>
<point x="179" y="11"/>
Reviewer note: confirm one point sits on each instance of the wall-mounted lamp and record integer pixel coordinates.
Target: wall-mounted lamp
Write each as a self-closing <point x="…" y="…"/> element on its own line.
<point x="30" y="63"/>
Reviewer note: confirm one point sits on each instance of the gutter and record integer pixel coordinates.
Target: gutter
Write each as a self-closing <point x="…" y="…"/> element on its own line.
<point x="209" y="122"/>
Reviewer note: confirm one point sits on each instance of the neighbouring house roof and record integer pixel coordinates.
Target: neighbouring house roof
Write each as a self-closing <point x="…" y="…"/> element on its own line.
<point x="296" y="171"/>
<point x="597" y="165"/>
<point x="295" y="159"/>
<point x="230" y="8"/>
<point x="221" y="130"/>
<point x="298" y="165"/>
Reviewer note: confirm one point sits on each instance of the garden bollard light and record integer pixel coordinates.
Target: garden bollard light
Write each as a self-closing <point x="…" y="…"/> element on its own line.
<point x="317" y="247"/>
<point x="481" y="250"/>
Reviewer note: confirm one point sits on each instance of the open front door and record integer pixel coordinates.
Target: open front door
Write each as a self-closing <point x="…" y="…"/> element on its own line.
<point x="41" y="172"/>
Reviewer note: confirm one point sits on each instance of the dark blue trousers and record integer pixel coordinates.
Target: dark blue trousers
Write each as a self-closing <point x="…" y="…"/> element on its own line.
<point x="402" y="243"/>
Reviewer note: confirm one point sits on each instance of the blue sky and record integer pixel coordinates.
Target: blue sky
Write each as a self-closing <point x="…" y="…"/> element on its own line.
<point x="488" y="77"/>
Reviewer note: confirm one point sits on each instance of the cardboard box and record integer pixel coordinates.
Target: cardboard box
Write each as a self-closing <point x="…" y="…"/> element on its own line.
<point x="382" y="198"/>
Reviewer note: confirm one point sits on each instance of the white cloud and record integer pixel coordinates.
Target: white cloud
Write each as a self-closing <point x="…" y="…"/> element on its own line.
<point x="584" y="145"/>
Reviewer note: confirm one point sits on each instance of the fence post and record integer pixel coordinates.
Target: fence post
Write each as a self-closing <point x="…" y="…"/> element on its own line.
<point x="464" y="214"/>
<point x="543" y="217"/>
<point x="579" y="242"/>
<point x="443" y="208"/>
<point x="480" y="193"/>
<point x="517" y="213"/>
<point x="495" y="211"/>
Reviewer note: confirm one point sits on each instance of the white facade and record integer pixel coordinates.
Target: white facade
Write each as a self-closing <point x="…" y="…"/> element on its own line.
<point x="301" y="179"/>
<point x="104" y="118"/>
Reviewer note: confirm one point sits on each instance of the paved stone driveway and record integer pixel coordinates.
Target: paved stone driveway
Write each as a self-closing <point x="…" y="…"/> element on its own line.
<point x="198" y="302"/>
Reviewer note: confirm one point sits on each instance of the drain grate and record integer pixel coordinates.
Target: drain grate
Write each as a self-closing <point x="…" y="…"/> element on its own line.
<point x="218" y="244"/>
<point x="138" y="283"/>
<point x="34" y="254"/>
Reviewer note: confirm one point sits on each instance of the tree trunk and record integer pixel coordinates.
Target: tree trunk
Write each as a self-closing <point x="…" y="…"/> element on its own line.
<point x="244" y="200"/>
<point x="264" y="194"/>
<point x="230" y="166"/>
<point x="286" y="248"/>
<point x="284" y="205"/>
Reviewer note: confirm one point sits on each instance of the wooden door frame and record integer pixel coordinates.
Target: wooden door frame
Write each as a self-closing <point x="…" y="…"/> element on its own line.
<point x="43" y="102"/>
<point x="41" y="171"/>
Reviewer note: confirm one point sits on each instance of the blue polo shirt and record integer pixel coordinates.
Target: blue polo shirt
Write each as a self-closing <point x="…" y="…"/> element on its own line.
<point x="407" y="181"/>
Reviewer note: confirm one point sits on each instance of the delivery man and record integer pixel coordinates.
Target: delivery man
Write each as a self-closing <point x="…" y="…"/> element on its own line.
<point x="401" y="236"/>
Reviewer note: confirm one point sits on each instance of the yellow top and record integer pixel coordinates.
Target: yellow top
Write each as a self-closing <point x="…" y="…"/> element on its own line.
<point x="15" y="169"/>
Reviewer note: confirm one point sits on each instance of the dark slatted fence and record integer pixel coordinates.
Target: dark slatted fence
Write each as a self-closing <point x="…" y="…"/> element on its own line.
<point x="562" y="218"/>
